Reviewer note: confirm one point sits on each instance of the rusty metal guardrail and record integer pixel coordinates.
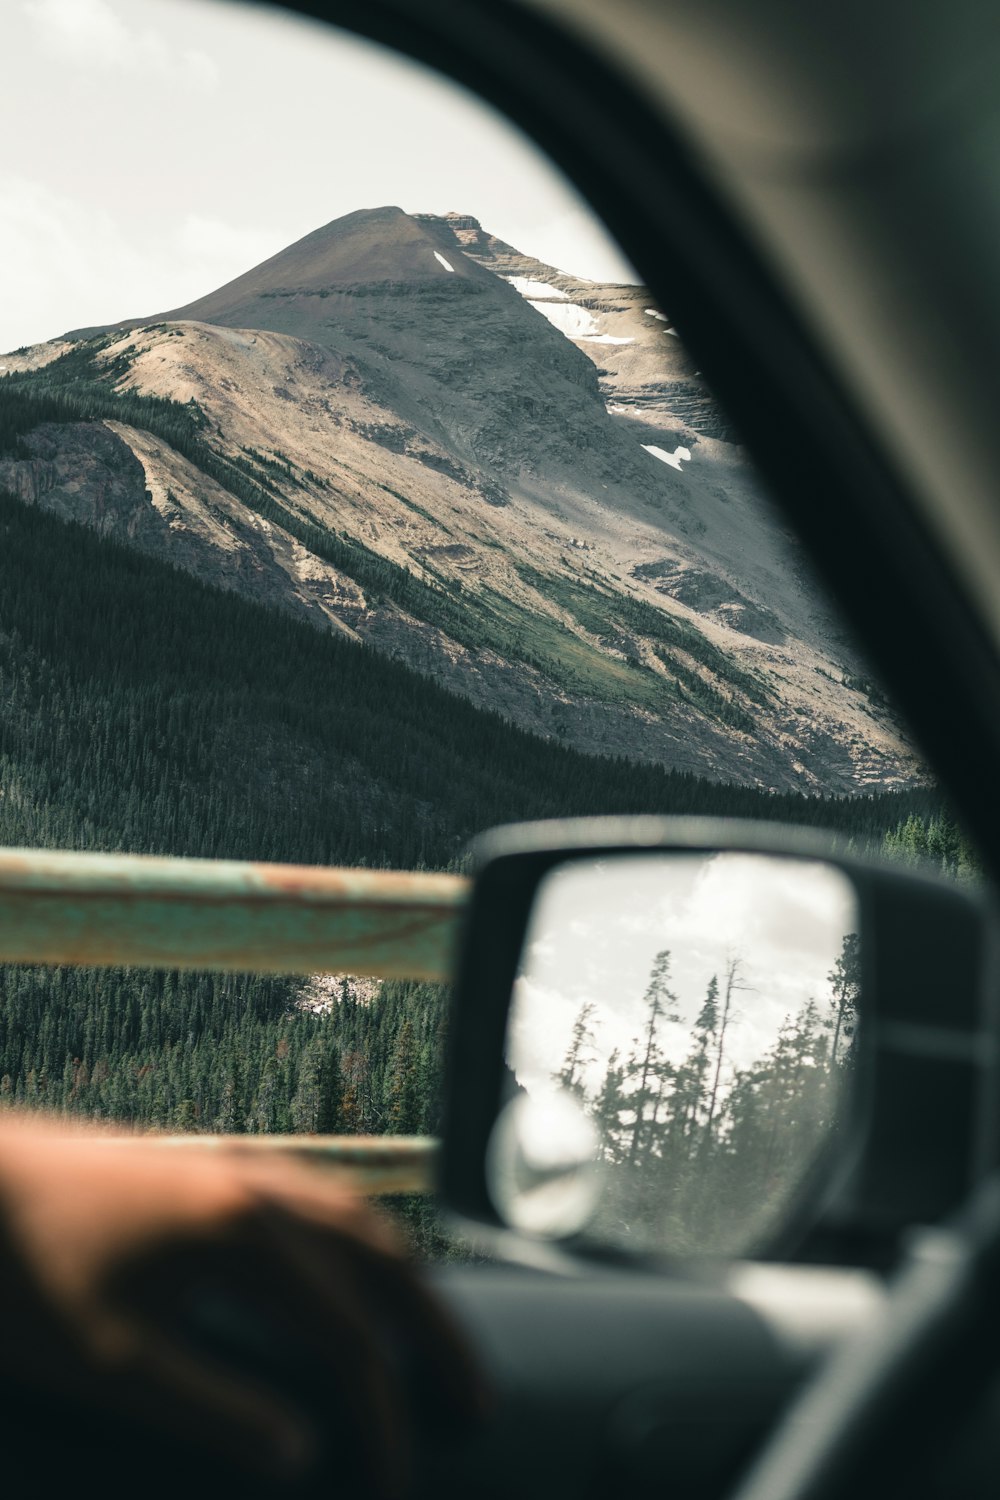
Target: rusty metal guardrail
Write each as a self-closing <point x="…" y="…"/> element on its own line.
<point x="62" y="908"/>
<point x="126" y="909"/>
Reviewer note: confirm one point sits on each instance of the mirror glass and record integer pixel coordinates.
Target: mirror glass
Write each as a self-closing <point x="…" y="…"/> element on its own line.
<point x="697" y="1014"/>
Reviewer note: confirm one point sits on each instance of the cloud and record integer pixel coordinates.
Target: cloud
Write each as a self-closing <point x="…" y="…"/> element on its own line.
<point x="599" y="925"/>
<point x="208" y="241"/>
<point x="93" y="32"/>
<point x="51" y="250"/>
<point x="73" y="263"/>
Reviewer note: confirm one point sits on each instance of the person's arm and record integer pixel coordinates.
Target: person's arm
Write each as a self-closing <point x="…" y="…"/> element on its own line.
<point x="126" y="1266"/>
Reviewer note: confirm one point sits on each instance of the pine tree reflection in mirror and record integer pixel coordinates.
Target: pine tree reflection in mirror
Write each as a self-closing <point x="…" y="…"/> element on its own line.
<point x="701" y="1011"/>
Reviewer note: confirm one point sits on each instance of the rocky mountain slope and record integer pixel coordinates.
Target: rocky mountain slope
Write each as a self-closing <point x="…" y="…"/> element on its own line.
<point x="407" y="432"/>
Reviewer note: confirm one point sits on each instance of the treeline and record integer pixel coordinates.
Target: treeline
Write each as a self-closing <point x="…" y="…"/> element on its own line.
<point x="221" y="1052"/>
<point x="934" y="843"/>
<point x="702" y="1152"/>
<point x="228" y="1054"/>
<point x="146" y="711"/>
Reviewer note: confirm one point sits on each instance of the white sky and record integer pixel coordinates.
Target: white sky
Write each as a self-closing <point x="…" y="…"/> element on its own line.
<point x="598" y="926"/>
<point x="154" y="149"/>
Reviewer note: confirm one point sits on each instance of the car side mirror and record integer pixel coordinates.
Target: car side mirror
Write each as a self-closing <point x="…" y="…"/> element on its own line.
<point x="694" y="1037"/>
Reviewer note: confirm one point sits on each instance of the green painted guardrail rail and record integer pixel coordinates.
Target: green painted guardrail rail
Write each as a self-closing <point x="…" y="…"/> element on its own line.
<point x="102" y="909"/>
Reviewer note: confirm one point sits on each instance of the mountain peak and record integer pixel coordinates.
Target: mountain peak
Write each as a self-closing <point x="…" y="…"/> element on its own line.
<point x="372" y="246"/>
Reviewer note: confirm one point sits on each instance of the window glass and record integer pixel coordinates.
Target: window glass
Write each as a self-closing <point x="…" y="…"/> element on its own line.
<point x="355" y="498"/>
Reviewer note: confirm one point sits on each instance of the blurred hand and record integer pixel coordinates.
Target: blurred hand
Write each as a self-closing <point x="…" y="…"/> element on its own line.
<point x="127" y="1266"/>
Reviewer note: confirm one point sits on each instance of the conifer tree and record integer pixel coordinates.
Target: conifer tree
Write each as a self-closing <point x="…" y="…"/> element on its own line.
<point x="725" y="1016"/>
<point x="402" y="1111"/>
<point x="845" y="982"/>
<point x="609" y="1106"/>
<point x="648" y="1069"/>
<point x="329" y="1112"/>
<point x="579" y="1053"/>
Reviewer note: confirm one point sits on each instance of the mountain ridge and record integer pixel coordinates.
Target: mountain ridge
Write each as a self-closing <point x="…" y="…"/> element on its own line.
<point x="566" y="530"/>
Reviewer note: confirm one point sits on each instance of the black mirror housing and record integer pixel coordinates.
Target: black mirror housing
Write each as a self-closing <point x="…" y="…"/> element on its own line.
<point x="913" y="1141"/>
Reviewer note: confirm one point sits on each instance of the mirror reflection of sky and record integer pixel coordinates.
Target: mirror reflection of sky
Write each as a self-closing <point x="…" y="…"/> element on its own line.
<point x="598" y="925"/>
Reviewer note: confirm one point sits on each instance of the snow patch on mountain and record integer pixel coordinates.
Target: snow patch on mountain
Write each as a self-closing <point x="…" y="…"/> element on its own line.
<point x="569" y="317"/>
<point x="532" y="289"/>
<point x="446" y="263"/>
<point x="576" y="322"/>
<point x="675" y="459"/>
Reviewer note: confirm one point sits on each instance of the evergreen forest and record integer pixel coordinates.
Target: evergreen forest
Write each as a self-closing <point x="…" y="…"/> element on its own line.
<point x="145" y="711"/>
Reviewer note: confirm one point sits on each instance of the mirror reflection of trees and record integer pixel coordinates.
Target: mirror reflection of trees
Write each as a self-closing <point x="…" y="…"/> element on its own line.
<point x="700" y="1147"/>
